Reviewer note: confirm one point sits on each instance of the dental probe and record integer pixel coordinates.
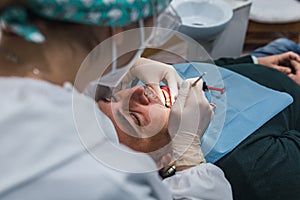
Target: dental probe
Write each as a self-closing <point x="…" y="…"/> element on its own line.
<point x="207" y="87"/>
<point x="198" y="79"/>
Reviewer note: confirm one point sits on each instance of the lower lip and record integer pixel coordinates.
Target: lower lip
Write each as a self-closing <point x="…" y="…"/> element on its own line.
<point x="167" y="95"/>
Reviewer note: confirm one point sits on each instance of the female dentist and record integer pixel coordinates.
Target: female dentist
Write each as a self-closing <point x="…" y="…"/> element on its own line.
<point x="43" y="45"/>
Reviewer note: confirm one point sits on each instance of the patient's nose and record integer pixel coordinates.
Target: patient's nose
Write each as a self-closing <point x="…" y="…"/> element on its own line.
<point x="139" y="97"/>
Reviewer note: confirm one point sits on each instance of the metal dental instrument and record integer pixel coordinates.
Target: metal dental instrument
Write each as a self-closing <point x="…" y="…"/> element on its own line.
<point x="198" y="79"/>
<point x="207" y="87"/>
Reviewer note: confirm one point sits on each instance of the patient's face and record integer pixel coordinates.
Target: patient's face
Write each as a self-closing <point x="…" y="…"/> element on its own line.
<point x="140" y="118"/>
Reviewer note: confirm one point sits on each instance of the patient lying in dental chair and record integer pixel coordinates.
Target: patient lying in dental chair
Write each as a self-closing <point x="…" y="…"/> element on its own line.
<point x="265" y="165"/>
<point x="141" y="122"/>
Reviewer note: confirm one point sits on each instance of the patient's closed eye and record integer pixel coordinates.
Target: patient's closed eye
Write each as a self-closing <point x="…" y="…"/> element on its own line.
<point x="135" y="119"/>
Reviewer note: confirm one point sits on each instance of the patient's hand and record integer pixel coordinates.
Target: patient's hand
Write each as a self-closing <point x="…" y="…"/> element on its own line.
<point x="296" y="75"/>
<point x="287" y="63"/>
<point x="281" y="62"/>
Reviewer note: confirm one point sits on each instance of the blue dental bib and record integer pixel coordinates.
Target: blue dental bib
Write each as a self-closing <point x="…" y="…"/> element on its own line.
<point x="242" y="109"/>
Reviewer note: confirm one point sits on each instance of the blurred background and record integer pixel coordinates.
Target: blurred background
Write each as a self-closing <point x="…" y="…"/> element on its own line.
<point x="228" y="28"/>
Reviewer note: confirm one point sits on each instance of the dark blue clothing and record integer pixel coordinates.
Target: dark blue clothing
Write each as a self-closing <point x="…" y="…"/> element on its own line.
<point x="266" y="165"/>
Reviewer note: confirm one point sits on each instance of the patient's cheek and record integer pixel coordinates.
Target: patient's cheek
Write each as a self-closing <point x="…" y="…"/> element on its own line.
<point x="104" y="107"/>
<point x="158" y="115"/>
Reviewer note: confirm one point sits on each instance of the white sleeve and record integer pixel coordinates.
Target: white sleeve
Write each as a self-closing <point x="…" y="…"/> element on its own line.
<point x="254" y="59"/>
<point x="205" y="181"/>
<point x="85" y="178"/>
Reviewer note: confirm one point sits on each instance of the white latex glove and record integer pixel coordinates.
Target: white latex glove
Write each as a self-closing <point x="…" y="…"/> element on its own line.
<point x="189" y="118"/>
<point x="152" y="72"/>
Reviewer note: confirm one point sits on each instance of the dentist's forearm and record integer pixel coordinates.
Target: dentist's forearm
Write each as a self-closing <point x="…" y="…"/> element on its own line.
<point x="184" y="167"/>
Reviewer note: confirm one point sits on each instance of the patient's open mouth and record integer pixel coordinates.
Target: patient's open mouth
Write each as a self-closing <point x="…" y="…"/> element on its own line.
<point x="167" y="95"/>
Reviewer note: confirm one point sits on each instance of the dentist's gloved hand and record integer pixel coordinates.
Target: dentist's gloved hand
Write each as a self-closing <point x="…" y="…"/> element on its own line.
<point x="189" y="118"/>
<point x="152" y="72"/>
